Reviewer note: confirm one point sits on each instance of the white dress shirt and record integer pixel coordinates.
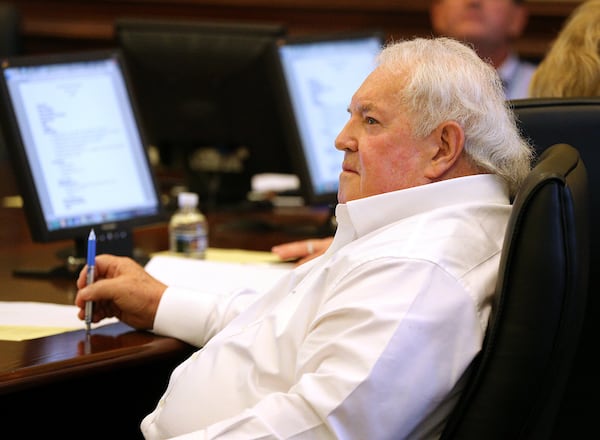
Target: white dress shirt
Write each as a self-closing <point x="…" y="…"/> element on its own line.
<point x="368" y="341"/>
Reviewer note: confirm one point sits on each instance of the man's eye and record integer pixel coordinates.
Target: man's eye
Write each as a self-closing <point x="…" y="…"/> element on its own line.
<point x="371" y="121"/>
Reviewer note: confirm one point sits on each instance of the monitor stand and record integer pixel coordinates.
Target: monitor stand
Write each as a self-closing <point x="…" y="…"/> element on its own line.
<point x="116" y="242"/>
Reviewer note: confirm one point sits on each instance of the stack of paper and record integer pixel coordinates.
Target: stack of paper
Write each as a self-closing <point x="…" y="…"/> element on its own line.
<point x="218" y="276"/>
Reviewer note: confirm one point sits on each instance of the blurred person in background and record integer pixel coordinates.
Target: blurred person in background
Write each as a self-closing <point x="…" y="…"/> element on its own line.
<point x="571" y="68"/>
<point x="491" y="26"/>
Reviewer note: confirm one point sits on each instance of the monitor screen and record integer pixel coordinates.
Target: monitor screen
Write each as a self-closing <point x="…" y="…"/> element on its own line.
<point x="207" y="101"/>
<point x="77" y="150"/>
<point x="320" y="74"/>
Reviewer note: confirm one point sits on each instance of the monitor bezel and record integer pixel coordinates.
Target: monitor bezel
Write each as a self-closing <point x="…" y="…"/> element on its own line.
<point x="21" y="165"/>
<point x="227" y="189"/>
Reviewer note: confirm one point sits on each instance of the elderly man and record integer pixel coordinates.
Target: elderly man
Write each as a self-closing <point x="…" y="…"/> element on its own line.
<point x="371" y="339"/>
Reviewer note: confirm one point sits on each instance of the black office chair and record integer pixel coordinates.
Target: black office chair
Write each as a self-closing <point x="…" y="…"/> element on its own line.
<point x="517" y="382"/>
<point x="575" y="121"/>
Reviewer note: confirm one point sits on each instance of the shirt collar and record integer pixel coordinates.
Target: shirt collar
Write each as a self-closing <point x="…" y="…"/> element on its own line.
<point x="508" y="68"/>
<point x="370" y="213"/>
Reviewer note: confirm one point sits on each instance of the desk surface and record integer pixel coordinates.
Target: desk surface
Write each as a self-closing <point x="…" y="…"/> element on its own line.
<point x="32" y="363"/>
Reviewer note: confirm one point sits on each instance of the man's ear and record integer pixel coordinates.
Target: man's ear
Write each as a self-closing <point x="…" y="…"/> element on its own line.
<point x="448" y="140"/>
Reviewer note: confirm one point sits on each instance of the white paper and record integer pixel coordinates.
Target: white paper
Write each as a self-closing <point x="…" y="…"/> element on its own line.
<point x="216" y="277"/>
<point x="39" y="314"/>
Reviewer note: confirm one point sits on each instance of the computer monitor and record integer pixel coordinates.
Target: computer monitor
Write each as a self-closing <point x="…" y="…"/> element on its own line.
<point x="207" y="101"/>
<point x="318" y="76"/>
<point x="77" y="149"/>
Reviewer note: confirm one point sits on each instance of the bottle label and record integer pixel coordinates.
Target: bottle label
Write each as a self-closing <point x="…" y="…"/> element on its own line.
<point x="190" y="243"/>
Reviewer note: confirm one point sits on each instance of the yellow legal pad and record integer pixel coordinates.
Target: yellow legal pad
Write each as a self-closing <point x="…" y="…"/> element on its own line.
<point x="24" y="332"/>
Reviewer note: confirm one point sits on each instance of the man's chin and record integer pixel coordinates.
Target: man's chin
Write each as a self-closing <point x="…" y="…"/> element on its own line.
<point x="345" y="196"/>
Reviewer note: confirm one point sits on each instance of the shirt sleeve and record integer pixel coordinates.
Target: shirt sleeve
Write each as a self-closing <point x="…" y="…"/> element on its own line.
<point x="195" y="317"/>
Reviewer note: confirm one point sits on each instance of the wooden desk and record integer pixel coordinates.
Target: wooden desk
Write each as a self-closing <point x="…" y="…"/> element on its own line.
<point x="69" y="386"/>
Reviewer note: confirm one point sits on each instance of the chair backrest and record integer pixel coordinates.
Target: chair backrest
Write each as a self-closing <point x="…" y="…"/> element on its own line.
<point x="517" y="382"/>
<point x="575" y="121"/>
<point x="549" y="121"/>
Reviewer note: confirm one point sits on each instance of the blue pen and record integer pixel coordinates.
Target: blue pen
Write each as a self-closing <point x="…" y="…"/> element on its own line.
<point x="91" y="264"/>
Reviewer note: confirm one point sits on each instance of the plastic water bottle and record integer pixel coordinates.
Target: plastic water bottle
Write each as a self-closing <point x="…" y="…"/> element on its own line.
<point x="188" y="229"/>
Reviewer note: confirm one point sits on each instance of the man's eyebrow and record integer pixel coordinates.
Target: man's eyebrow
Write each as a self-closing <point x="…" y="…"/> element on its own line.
<point x="362" y="108"/>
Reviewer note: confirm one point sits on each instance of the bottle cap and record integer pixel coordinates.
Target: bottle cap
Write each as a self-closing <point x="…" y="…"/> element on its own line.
<point x="187" y="199"/>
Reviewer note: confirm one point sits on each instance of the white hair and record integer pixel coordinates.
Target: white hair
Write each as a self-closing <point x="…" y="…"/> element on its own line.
<point x="441" y="79"/>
